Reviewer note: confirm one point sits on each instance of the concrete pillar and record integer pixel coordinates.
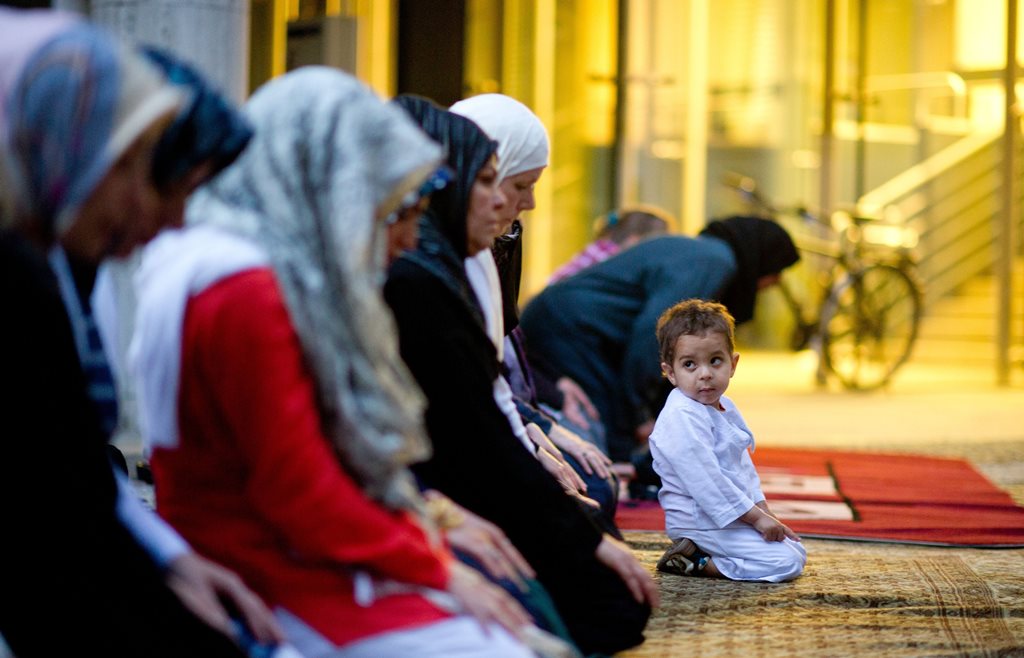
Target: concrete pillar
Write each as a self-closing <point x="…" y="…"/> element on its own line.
<point x="79" y="6"/>
<point x="213" y="35"/>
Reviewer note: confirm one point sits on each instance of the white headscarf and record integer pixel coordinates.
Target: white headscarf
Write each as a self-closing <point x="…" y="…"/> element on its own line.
<point x="522" y="146"/>
<point x="522" y="139"/>
<point x="327" y="156"/>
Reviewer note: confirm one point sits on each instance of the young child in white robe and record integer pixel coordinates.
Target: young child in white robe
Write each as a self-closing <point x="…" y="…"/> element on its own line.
<point x="715" y="512"/>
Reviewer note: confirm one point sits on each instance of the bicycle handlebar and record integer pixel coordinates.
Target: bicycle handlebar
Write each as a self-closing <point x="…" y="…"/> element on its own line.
<point x="747" y="188"/>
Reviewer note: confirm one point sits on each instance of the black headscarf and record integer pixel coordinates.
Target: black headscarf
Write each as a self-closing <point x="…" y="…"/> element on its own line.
<point x="508" y="257"/>
<point x="208" y="129"/>
<point x="762" y="247"/>
<point x="444" y="242"/>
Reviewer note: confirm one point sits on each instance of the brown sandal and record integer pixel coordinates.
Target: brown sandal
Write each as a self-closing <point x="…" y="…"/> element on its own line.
<point x="684" y="558"/>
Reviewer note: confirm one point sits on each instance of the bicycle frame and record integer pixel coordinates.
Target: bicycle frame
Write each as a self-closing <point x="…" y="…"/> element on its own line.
<point x="869" y="302"/>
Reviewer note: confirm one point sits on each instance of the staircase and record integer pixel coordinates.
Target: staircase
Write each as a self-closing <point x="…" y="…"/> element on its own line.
<point x="952" y="201"/>
<point x="961" y="326"/>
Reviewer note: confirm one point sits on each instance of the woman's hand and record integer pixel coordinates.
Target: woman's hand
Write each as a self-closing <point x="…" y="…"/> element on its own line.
<point x="486" y="542"/>
<point x="576" y="406"/>
<point x="588" y="455"/>
<point x="485" y="600"/>
<point x="551" y="459"/>
<point x="202" y="585"/>
<point x="566" y="476"/>
<point x="617" y="557"/>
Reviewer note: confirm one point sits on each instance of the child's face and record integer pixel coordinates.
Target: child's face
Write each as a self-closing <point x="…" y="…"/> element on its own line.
<point x="702" y="367"/>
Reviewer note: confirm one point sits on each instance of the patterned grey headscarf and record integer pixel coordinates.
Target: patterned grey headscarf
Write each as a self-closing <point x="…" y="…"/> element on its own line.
<point x="327" y="160"/>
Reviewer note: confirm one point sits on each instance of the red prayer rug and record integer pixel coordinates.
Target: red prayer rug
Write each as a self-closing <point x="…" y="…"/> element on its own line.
<point x="873" y="497"/>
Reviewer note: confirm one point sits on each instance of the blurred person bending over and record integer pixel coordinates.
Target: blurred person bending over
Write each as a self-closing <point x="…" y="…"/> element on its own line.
<point x="598" y="326"/>
<point x="616" y="230"/>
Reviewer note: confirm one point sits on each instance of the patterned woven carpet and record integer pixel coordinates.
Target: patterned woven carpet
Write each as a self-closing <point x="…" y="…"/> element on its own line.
<point x="855" y="598"/>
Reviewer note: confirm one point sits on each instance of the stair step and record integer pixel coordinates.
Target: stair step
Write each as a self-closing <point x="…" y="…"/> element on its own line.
<point x="963" y="326"/>
<point x="988" y="284"/>
<point x="956" y="313"/>
<point x="988" y="302"/>
<point x="977" y="327"/>
<point x="946" y="350"/>
<point x="969" y="315"/>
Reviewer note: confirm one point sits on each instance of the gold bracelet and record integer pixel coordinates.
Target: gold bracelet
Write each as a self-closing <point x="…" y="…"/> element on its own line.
<point x="444" y="513"/>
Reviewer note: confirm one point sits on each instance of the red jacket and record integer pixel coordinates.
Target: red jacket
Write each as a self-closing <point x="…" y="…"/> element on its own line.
<point x="254" y="484"/>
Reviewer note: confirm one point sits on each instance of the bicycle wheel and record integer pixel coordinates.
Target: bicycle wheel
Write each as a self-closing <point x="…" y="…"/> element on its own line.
<point x="869" y="324"/>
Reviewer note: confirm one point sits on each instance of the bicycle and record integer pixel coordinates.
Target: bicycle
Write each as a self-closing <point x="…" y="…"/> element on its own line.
<point x="870" y="301"/>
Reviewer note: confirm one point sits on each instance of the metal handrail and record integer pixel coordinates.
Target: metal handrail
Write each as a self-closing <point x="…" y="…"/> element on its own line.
<point x="950" y="200"/>
<point x="923" y="80"/>
<point x="927" y="170"/>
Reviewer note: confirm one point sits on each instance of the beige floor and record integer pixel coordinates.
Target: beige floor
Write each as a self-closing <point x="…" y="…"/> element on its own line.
<point x="951" y="409"/>
<point x="863" y="599"/>
<point x="925" y="404"/>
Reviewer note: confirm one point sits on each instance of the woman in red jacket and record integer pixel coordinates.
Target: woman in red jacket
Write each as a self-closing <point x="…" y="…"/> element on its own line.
<point x="279" y="416"/>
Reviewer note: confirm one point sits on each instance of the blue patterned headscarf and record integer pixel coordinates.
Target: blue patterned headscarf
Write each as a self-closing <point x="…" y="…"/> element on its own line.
<point x="209" y="128"/>
<point x="74" y="101"/>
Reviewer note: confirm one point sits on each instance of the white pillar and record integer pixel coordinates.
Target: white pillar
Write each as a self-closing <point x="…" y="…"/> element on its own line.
<point x="212" y="35"/>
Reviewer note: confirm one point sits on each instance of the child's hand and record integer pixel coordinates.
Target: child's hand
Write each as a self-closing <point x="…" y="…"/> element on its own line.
<point x="789" y="532"/>
<point x="774" y="530"/>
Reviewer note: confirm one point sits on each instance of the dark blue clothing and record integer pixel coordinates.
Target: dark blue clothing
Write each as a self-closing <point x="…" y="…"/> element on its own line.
<point x="535" y="600"/>
<point x="72" y="575"/>
<point x="604" y="490"/>
<point x="598" y="326"/>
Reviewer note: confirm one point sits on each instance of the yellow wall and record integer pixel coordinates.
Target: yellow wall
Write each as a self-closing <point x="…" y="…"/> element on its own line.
<point x="375" y="48"/>
<point x="758" y="64"/>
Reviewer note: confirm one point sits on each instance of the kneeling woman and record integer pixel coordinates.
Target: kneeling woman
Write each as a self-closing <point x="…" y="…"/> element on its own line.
<point x="283" y="450"/>
<point x="600" y="590"/>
